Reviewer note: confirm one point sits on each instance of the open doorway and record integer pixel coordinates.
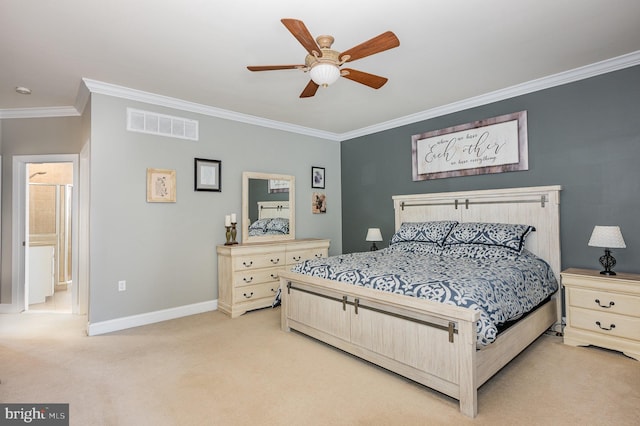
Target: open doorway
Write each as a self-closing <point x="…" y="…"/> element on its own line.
<point x="31" y="185"/>
<point x="49" y="284"/>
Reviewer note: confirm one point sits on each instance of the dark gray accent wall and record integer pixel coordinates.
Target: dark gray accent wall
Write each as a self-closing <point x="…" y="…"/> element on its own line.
<point x="584" y="136"/>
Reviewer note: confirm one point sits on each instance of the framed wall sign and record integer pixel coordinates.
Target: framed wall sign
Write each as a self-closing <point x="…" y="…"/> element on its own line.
<point x="494" y="145"/>
<point x="317" y="177"/>
<point x="161" y="186"/>
<point x="277" y="185"/>
<point x="207" y="175"/>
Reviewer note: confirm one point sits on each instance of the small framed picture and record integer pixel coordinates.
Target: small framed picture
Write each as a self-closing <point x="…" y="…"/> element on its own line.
<point x="161" y="186"/>
<point x="317" y="177"/>
<point x="319" y="203"/>
<point x="208" y="175"/>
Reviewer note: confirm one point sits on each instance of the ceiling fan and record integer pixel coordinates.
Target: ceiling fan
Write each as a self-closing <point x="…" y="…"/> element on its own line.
<point x="323" y="63"/>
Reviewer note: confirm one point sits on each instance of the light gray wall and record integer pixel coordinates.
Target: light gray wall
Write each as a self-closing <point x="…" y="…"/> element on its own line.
<point x="166" y="251"/>
<point x="584" y="136"/>
<point x="29" y="136"/>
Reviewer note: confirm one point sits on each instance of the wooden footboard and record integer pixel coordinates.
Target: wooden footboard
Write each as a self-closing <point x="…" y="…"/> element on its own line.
<point x="428" y="342"/>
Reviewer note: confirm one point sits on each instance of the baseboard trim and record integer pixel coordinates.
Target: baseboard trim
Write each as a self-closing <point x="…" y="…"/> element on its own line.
<point x="102" y="327"/>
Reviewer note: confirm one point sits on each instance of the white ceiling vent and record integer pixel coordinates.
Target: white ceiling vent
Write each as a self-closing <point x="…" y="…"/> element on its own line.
<point x="160" y="124"/>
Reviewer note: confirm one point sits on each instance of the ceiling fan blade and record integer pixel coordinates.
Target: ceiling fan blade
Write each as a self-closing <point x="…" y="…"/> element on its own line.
<point x="274" y="67"/>
<point x="310" y="90"/>
<point x="302" y="34"/>
<point x="371" y="80"/>
<point x="384" y="41"/>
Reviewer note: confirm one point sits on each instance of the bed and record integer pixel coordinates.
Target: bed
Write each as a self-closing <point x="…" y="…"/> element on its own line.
<point x="433" y="343"/>
<point x="273" y="219"/>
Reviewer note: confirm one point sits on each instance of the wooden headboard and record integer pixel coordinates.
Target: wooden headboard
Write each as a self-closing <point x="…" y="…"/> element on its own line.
<point x="270" y="209"/>
<point x="537" y="206"/>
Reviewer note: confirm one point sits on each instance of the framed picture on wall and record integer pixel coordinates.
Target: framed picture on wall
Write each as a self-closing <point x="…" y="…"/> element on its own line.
<point x="317" y="177"/>
<point x="208" y="175"/>
<point x="161" y="186"/>
<point x="319" y="203"/>
<point x="492" y="145"/>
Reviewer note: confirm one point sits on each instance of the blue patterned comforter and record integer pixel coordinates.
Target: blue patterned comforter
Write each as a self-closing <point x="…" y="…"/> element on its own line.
<point x="501" y="289"/>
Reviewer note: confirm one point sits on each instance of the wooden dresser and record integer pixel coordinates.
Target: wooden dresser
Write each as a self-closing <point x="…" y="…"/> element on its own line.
<point x="602" y="310"/>
<point x="248" y="273"/>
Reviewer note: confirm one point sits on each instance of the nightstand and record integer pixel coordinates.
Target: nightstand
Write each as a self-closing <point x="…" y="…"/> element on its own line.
<point x="602" y="310"/>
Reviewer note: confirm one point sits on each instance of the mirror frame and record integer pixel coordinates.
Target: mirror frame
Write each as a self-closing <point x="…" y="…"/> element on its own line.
<point x="245" y="207"/>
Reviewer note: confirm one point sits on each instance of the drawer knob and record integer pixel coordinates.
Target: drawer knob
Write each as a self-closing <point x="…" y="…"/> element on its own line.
<point x="275" y="261"/>
<point x="274" y="276"/>
<point x="273" y="290"/>
<point x="297" y="258"/>
<point x="611" y="327"/>
<point x="248" y="264"/>
<point x="318" y="255"/>
<point x="603" y="306"/>
<point x="247" y="280"/>
<point x="249" y="296"/>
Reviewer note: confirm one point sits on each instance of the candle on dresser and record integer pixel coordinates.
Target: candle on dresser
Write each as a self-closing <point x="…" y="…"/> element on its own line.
<point x="227" y="220"/>
<point x="233" y="218"/>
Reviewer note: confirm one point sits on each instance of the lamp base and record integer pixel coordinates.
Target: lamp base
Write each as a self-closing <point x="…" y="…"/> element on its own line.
<point x="373" y="247"/>
<point x="607" y="261"/>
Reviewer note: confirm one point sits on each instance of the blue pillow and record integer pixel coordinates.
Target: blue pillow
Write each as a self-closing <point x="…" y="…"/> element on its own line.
<point x="278" y="225"/>
<point x="416" y="247"/>
<point x="424" y="232"/>
<point x="507" y="235"/>
<point x="260" y="225"/>
<point x="479" y="251"/>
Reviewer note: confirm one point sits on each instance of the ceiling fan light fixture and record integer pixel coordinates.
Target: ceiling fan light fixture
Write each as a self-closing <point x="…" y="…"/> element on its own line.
<point x="324" y="74"/>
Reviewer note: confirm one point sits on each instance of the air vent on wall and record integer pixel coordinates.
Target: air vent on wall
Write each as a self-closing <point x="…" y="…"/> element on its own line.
<point x="161" y="124"/>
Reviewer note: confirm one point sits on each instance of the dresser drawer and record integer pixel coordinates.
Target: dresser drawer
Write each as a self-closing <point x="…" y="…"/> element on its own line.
<point x="256" y="276"/>
<point x="256" y="291"/>
<point x="296" y="256"/>
<point x="605" y="323"/>
<point x="604" y="301"/>
<point x="254" y="261"/>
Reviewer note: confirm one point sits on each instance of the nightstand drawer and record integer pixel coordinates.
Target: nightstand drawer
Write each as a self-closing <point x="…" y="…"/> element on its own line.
<point x="604" y="301"/>
<point x="605" y="323"/>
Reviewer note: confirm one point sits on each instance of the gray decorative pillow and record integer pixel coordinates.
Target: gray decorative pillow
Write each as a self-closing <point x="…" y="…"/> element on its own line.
<point x="506" y="235"/>
<point x="260" y="225"/>
<point x="416" y="247"/>
<point x="478" y="251"/>
<point x="424" y="232"/>
<point x="278" y="225"/>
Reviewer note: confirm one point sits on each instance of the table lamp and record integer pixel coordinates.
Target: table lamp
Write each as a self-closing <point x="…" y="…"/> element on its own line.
<point x="607" y="237"/>
<point x="373" y="235"/>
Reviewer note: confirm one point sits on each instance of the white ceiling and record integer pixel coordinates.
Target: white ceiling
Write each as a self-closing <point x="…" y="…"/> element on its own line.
<point x="198" y="50"/>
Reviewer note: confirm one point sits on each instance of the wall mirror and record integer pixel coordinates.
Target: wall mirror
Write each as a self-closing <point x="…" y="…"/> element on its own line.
<point x="268" y="207"/>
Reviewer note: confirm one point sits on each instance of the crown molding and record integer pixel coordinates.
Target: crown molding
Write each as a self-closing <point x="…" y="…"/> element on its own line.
<point x="592" y="70"/>
<point x="46" y="112"/>
<point x="82" y="98"/>
<point x="166" y="101"/>
<point x="89" y="86"/>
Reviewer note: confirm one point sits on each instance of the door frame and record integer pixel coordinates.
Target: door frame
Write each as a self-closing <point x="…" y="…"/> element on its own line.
<point x="20" y="221"/>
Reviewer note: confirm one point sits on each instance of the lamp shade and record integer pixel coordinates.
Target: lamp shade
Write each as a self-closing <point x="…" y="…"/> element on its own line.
<point x="374" y="234"/>
<point x="324" y="74"/>
<point x="607" y="236"/>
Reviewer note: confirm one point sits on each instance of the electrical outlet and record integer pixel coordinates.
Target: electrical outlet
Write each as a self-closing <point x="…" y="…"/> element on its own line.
<point x="122" y="285"/>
